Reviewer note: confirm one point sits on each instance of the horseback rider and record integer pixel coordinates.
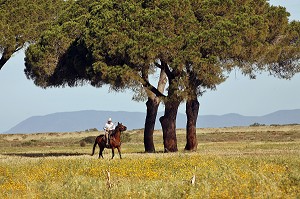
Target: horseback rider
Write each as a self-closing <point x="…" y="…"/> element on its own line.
<point x="108" y="128"/>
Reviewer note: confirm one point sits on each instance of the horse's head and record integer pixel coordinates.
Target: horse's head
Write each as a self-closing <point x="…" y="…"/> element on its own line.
<point x="121" y="127"/>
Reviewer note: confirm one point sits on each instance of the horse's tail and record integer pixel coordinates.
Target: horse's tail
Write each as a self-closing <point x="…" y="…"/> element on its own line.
<point x="94" y="146"/>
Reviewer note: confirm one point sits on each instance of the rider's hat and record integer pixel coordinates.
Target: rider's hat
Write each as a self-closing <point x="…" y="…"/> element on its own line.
<point x="109" y="119"/>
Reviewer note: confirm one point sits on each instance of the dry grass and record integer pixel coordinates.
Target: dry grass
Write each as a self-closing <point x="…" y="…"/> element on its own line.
<point x="239" y="162"/>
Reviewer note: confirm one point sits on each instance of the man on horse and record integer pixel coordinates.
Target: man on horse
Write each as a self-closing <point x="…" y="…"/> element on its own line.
<point x="108" y="128"/>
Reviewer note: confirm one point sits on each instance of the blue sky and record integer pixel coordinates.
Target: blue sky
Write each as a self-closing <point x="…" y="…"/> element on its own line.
<point x="21" y="99"/>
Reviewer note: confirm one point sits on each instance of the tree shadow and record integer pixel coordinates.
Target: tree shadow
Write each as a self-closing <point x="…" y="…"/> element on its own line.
<point x="143" y="152"/>
<point x="38" y="155"/>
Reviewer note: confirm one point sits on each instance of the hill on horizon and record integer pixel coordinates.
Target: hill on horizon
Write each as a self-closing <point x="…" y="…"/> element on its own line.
<point x="89" y="119"/>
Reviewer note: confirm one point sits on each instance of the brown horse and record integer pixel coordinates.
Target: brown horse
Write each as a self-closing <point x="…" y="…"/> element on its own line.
<point x="114" y="141"/>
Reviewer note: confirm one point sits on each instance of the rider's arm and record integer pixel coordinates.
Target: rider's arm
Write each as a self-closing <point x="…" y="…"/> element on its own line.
<point x="105" y="128"/>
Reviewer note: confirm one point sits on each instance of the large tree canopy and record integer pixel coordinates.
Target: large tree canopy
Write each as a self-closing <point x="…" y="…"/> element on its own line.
<point x="194" y="42"/>
<point x="250" y="35"/>
<point x="22" y="21"/>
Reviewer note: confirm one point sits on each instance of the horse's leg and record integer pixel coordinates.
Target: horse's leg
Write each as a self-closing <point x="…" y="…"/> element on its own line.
<point x="100" y="152"/>
<point x="113" y="152"/>
<point x="94" y="147"/>
<point x="119" y="150"/>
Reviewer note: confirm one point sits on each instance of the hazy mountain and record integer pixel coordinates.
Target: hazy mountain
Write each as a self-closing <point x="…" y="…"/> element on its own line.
<point x="82" y="120"/>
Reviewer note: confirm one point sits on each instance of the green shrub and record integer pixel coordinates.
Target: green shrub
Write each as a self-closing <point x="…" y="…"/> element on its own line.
<point x="125" y="137"/>
<point x="89" y="139"/>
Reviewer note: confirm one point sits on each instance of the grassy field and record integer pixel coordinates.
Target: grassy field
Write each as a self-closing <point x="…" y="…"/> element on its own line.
<point x="238" y="162"/>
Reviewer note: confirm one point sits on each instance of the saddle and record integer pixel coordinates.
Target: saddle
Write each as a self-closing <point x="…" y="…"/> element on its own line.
<point x="108" y="141"/>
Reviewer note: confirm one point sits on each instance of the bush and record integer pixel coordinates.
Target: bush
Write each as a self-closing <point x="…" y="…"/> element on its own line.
<point x="30" y="143"/>
<point x="82" y="143"/>
<point x="89" y="139"/>
<point x="125" y="137"/>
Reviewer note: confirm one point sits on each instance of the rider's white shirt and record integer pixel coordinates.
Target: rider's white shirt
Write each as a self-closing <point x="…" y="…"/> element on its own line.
<point x="109" y="127"/>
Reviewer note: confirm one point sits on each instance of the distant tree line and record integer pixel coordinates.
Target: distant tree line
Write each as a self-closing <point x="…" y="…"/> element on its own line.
<point x="91" y="130"/>
<point x="258" y="124"/>
<point x="191" y="44"/>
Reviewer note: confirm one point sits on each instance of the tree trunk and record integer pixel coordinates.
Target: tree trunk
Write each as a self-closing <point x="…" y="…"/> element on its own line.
<point x="168" y="123"/>
<point x="7" y="53"/>
<point x="192" y="109"/>
<point x="152" y="107"/>
<point x="3" y="60"/>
